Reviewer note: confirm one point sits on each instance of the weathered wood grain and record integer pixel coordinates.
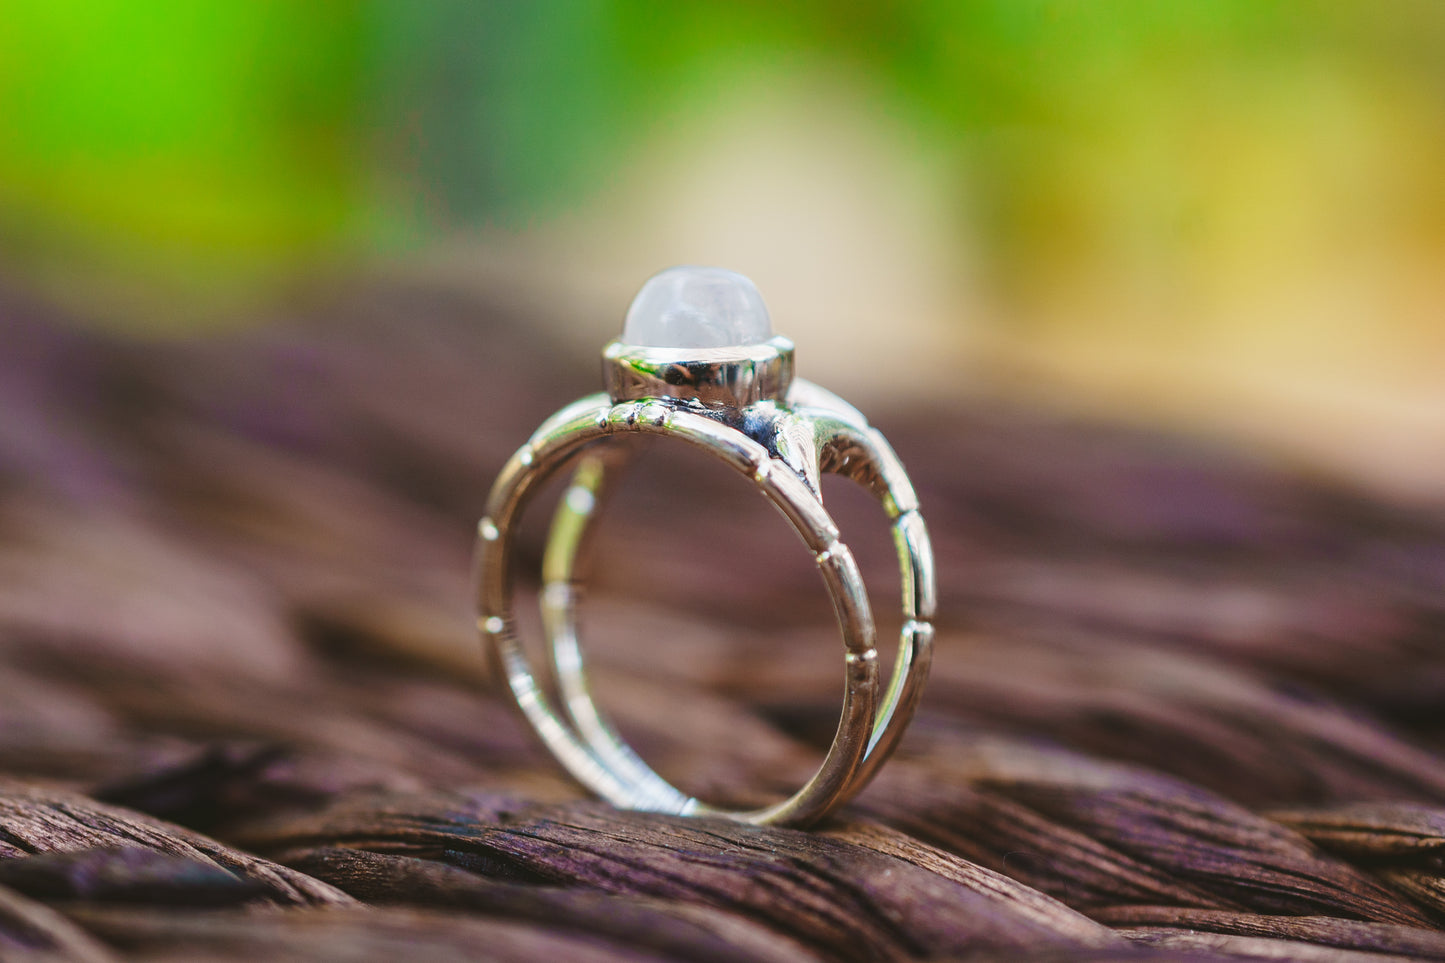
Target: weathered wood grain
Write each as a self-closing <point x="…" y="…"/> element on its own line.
<point x="1407" y="941"/>
<point x="845" y="900"/>
<point x="33" y="931"/>
<point x="345" y="936"/>
<point x="45" y="824"/>
<point x="1185" y="704"/>
<point x="672" y="928"/>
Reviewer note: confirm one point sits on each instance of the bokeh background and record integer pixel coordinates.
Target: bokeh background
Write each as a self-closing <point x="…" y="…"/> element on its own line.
<point x="1226" y="217"/>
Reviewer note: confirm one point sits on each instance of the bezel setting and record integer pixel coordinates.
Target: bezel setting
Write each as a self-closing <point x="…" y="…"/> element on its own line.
<point x="722" y="379"/>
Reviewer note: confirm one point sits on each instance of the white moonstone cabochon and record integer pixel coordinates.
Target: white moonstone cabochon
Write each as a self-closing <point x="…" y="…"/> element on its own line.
<point x="697" y="307"/>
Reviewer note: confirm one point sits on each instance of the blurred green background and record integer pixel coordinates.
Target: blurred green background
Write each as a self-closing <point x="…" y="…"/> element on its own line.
<point x="1228" y="215"/>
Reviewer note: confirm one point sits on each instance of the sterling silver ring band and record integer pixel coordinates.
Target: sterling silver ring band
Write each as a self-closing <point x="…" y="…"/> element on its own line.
<point x="743" y="406"/>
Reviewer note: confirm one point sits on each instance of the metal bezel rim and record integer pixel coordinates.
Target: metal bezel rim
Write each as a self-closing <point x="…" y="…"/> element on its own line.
<point x="719" y="378"/>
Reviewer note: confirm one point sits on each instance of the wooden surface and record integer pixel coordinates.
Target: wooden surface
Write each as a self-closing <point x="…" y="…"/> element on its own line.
<point x="1185" y="705"/>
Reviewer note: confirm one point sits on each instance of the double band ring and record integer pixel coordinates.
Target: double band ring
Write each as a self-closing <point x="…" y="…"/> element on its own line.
<point x="697" y="363"/>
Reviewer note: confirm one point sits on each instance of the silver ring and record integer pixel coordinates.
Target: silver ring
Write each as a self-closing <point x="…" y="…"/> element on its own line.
<point x="741" y="404"/>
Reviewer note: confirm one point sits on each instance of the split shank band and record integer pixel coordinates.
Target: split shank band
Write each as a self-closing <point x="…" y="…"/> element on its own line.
<point x="743" y="406"/>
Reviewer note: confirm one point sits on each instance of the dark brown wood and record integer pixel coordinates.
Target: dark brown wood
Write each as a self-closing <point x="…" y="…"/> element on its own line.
<point x="1408" y="941"/>
<point x="845" y="900"/>
<point x="372" y="933"/>
<point x="32" y="930"/>
<point x="1185" y="704"/>
<point x="106" y="846"/>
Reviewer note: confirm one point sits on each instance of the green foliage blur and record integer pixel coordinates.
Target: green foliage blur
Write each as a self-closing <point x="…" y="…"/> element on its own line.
<point x="157" y="148"/>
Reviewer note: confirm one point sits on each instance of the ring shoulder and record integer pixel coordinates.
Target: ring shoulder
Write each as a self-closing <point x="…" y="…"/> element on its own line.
<point x="813" y="433"/>
<point x="584" y="412"/>
<point x="825" y="434"/>
<point x="806" y="396"/>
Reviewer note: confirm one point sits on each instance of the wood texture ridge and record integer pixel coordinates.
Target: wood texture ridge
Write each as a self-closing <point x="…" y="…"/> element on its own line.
<point x="1185" y="705"/>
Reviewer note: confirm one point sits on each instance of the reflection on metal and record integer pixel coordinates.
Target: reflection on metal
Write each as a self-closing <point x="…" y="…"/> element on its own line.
<point x="743" y="406"/>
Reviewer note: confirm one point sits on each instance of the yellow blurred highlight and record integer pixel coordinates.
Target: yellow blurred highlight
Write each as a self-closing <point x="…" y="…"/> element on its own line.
<point x="1213" y="214"/>
<point x="1248" y="268"/>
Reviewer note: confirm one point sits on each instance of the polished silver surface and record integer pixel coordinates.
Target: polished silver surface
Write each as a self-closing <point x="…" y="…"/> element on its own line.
<point x="721" y="379"/>
<point x="744" y="407"/>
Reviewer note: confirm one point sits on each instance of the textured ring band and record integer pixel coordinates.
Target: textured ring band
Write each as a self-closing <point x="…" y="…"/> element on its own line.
<point x="742" y="406"/>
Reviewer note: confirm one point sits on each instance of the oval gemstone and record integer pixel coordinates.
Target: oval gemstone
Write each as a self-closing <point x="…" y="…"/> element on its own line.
<point x="697" y="307"/>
